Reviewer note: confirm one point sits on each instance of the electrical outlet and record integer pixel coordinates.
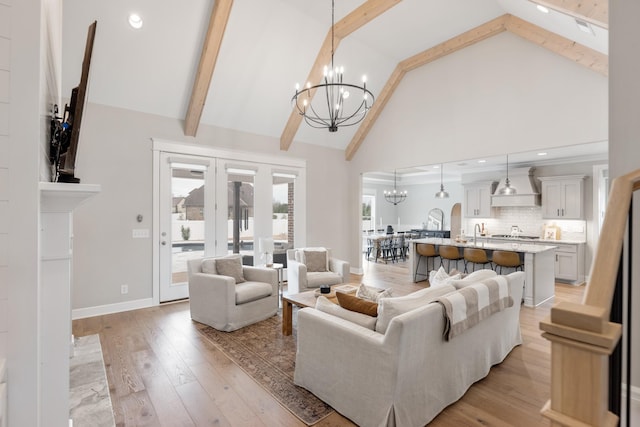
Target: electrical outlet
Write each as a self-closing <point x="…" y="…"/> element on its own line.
<point x="124" y="289"/>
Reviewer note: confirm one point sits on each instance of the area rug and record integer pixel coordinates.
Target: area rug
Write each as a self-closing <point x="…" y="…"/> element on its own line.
<point x="269" y="357"/>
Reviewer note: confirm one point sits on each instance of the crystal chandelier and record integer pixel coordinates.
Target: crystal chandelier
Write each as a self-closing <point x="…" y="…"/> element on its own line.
<point x="395" y="196"/>
<point x="338" y="107"/>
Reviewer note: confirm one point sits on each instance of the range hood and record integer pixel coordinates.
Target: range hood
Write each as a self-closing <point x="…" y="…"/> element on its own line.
<point x="527" y="193"/>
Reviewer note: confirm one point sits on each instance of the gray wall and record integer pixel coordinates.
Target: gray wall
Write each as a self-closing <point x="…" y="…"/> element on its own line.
<point x="115" y="152"/>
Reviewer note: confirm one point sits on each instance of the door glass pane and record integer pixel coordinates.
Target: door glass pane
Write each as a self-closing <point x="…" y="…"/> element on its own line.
<point x="282" y="213"/>
<point x="187" y="220"/>
<point x="240" y="212"/>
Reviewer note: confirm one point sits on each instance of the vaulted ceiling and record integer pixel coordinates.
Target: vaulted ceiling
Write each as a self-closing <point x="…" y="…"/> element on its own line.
<point x="235" y="64"/>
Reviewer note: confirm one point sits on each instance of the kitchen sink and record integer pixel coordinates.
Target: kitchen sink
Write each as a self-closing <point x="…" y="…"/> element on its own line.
<point x="509" y="236"/>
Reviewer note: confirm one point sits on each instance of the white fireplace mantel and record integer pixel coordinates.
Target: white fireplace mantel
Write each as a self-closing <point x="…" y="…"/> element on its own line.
<point x="57" y="202"/>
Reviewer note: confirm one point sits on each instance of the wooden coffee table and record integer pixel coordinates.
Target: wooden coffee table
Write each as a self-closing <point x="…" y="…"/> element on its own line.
<point x="304" y="299"/>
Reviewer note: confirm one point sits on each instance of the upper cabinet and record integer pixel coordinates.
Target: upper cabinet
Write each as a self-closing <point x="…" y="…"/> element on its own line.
<point x="562" y="197"/>
<point x="477" y="199"/>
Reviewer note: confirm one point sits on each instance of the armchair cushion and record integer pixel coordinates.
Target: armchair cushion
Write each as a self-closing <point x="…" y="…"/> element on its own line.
<point x="319" y="278"/>
<point x="231" y="266"/>
<point x="252" y="291"/>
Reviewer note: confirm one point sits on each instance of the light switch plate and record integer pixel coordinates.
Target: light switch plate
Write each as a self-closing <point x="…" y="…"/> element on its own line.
<point x="140" y="233"/>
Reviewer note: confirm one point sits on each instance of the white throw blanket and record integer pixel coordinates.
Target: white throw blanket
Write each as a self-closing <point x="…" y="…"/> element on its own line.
<point x="470" y="305"/>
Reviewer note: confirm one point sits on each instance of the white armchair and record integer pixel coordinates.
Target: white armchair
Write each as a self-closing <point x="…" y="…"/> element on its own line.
<point x="308" y="270"/>
<point x="218" y="301"/>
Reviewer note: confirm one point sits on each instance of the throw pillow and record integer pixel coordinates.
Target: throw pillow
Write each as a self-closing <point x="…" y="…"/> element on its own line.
<point x="388" y="308"/>
<point x="230" y="267"/>
<point x="440" y="277"/>
<point x="316" y="261"/>
<point x="475" y="277"/>
<point x="372" y="294"/>
<point x="323" y="304"/>
<point x="356" y="304"/>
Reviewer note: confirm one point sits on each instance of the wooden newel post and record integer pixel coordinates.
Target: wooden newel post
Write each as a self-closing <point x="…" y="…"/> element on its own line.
<point x="582" y="338"/>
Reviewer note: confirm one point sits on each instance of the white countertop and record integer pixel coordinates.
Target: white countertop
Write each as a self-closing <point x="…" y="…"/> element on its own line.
<point x="547" y="241"/>
<point x="518" y="245"/>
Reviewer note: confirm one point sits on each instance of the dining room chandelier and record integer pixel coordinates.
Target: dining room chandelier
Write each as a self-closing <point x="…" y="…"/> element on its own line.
<point x="338" y="107"/>
<point x="395" y="196"/>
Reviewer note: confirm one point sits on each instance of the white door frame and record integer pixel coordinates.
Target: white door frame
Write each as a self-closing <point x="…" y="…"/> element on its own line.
<point x="266" y="162"/>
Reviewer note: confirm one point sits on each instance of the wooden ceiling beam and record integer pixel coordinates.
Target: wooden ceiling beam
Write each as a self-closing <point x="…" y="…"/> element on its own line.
<point x="454" y="44"/>
<point x="583" y="55"/>
<point x="213" y="40"/>
<point x="577" y="53"/>
<point x="595" y="12"/>
<point x="359" y="17"/>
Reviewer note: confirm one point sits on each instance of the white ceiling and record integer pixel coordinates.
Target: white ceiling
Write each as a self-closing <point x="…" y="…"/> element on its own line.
<point x="268" y="46"/>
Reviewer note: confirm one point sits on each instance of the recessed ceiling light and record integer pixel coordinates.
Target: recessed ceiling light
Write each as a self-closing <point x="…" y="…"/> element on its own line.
<point x="482" y="161"/>
<point x="135" y="21"/>
<point x="542" y="153"/>
<point x="436" y="167"/>
<point x="542" y="9"/>
<point x="585" y="27"/>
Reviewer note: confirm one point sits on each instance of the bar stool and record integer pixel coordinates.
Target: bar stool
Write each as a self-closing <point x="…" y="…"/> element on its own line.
<point x="425" y="250"/>
<point x="475" y="256"/>
<point x="506" y="259"/>
<point x="450" y="253"/>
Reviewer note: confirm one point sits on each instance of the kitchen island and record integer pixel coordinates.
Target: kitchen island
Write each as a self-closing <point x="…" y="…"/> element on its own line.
<point x="539" y="264"/>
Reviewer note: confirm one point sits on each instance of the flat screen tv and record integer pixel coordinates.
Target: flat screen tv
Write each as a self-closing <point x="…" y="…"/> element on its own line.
<point x="65" y="130"/>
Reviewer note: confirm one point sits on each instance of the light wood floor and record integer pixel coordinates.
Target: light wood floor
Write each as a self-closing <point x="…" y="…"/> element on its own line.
<point x="161" y="372"/>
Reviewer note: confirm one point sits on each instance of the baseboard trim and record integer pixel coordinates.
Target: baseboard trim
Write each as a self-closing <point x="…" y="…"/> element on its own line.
<point x="99" y="310"/>
<point x="358" y="271"/>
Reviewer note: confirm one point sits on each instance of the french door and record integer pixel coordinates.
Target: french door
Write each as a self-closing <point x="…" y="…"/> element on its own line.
<point x="187" y="219"/>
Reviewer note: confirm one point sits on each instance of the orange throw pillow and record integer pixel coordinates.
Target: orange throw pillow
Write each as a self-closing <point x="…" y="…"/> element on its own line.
<point x="359" y="305"/>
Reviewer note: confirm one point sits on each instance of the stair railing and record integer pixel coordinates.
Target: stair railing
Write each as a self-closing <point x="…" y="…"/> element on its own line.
<point x="583" y="336"/>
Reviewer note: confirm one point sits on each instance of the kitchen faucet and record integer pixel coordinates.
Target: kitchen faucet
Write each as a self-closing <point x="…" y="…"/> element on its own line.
<point x="476" y="229"/>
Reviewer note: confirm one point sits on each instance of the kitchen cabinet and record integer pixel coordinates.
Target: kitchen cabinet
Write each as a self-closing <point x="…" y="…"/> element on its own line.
<point x="562" y="197"/>
<point x="477" y="199"/>
<point x="570" y="263"/>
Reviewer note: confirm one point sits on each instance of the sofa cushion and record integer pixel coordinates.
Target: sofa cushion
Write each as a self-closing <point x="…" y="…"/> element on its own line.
<point x="353" y="303"/>
<point x="316" y="261"/>
<point x="441" y="277"/>
<point x="230" y="266"/>
<point x="252" y="291"/>
<point x="315" y="280"/>
<point x="372" y="294"/>
<point x="388" y="308"/>
<point x="475" y="277"/>
<point x="323" y="304"/>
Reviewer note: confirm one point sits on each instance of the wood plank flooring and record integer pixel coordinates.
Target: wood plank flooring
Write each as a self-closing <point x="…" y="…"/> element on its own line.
<point x="161" y="371"/>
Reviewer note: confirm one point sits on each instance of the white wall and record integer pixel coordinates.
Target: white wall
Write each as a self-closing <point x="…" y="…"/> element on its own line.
<point x="501" y="95"/>
<point x="115" y="152"/>
<point x="624" y="131"/>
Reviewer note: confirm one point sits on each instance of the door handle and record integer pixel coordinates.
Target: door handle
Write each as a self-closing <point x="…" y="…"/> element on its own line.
<point x="163" y="243"/>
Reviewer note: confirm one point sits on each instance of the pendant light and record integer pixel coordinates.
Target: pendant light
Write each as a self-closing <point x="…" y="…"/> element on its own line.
<point x="395" y="196"/>
<point x="507" y="190"/>
<point x="442" y="194"/>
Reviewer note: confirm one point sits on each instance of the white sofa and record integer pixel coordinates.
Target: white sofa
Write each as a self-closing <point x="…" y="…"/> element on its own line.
<point x="407" y="375"/>
<point x="219" y="302"/>
<point x="300" y="280"/>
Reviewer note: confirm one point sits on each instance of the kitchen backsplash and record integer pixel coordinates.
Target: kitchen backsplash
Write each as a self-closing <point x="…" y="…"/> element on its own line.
<point x="530" y="222"/>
